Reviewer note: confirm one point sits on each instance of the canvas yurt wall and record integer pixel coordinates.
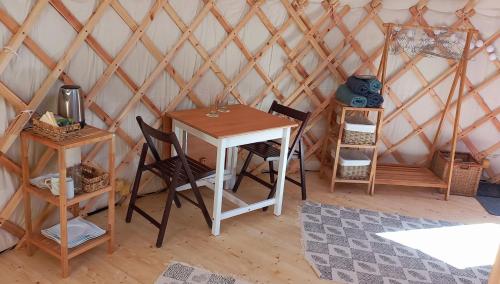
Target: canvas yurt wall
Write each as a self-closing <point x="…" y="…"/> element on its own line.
<point x="148" y="57"/>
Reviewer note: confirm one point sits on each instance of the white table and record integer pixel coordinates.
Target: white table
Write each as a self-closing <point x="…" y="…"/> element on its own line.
<point x="241" y="125"/>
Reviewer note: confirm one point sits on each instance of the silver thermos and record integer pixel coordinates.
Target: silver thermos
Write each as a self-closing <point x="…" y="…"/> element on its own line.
<point x="70" y="103"/>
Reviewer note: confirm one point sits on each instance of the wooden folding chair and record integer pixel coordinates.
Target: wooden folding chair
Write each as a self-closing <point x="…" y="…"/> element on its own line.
<point x="175" y="171"/>
<point x="270" y="152"/>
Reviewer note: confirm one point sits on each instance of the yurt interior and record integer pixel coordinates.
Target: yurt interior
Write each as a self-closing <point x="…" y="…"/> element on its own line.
<point x="250" y="141"/>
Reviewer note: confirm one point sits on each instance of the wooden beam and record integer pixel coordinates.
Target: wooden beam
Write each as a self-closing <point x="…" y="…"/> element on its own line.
<point x="9" y="50"/>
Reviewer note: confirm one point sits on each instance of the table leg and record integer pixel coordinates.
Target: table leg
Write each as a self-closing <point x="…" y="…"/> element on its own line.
<point x="232" y="158"/>
<point x="218" y="187"/>
<point x="180" y="136"/>
<point x="184" y="141"/>
<point x="280" y="183"/>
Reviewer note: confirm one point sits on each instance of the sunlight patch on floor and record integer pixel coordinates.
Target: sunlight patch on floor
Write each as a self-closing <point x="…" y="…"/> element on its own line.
<point x="460" y="246"/>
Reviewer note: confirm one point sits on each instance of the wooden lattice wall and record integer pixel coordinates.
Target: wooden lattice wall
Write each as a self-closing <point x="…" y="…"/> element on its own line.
<point x="313" y="32"/>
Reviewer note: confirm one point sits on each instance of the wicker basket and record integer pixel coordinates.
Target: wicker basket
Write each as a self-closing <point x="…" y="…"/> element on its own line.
<point x="466" y="172"/>
<point x="358" y="130"/>
<point x="89" y="178"/>
<point x="354" y="172"/>
<point x="358" y="138"/>
<point x="52" y="132"/>
<point x="353" y="164"/>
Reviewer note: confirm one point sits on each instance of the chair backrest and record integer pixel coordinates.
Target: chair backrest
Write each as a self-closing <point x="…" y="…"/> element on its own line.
<point x="302" y="117"/>
<point x="165" y="137"/>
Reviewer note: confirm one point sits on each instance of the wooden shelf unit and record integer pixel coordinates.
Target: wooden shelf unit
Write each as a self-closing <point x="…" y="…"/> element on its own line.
<point x="87" y="135"/>
<point x="334" y="137"/>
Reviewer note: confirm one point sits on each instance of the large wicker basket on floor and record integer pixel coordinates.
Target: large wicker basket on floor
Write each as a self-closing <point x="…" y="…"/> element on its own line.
<point x="466" y="172"/>
<point x="89" y="178"/>
<point x="52" y="132"/>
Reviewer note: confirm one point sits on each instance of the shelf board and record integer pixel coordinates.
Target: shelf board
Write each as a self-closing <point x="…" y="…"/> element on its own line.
<point x="351" y="180"/>
<point x="46" y="195"/>
<point x="362" y="146"/>
<point x="87" y="135"/>
<point x="53" y="248"/>
<point x="408" y="176"/>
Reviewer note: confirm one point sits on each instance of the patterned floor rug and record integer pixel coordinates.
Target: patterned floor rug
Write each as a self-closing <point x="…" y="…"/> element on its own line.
<point x="342" y="245"/>
<point x="181" y="273"/>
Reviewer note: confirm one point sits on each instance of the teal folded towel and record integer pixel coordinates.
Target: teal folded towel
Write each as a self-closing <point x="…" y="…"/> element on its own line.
<point x="374" y="100"/>
<point x="348" y="97"/>
<point x="364" y="84"/>
<point x="374" y="85"/>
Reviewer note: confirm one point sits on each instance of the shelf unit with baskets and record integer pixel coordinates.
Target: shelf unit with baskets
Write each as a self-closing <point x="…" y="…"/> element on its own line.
<point x="339" y="138"/>
<point x="85" y="136"/>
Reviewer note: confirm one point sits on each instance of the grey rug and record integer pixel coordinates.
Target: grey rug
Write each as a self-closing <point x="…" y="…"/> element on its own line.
<point x="342" y="245"/>
<point x="181" y="273"/>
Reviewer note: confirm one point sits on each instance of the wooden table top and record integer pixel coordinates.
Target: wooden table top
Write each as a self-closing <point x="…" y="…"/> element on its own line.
<point x="87" y="135"/>
<point x="240" y="119"/>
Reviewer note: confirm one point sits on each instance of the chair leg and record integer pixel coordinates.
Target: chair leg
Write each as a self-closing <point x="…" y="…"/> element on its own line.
<point x="177" y="201"/>
<point x="270" y="195"/>
<point x="166" y="213"/>
<point x="302" y="172"/>
<point x="271" y="172"/>
<point x="242" y="172"/>
<point x="201" y="203"/>
<point x="135" y="188"/>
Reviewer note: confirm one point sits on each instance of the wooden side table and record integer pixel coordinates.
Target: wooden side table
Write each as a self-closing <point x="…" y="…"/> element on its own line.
<point x="88" y="135"/>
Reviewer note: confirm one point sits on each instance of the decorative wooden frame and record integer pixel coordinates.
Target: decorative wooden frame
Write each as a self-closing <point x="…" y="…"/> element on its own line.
<point x="312" y="41"/>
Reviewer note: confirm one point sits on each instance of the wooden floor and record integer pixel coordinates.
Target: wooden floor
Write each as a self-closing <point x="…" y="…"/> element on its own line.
<point x="257" y="247"/>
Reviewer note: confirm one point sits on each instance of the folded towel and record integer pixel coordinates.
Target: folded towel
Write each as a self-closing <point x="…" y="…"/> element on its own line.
<point x="374" y="85"/>
<point x="362" y="84"/>
<point x="348" y="97"/>
<point x="358" y="86"/>
<point x="374" y="100"/>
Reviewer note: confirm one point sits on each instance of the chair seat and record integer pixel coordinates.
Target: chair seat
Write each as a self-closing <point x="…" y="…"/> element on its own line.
<point x="269" y="151"/>
<point x="168" y="167"/>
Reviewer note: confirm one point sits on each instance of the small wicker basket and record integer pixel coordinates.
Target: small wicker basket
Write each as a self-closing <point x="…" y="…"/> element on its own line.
<point x="353" y="164"/>
<point x="52" y="132"/>
<point x="358" y="138"/>
<point x="89" y="178"/>
<point x="358" y="130"/>
<point x="466" y="172"/>
<point x="354" y="172"/>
